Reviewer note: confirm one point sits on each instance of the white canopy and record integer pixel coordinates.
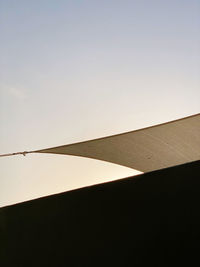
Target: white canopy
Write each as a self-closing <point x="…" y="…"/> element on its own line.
<point x="148" y="149"/>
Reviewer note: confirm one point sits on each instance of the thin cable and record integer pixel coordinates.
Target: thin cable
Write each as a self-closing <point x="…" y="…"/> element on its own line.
<point x="16" y="153"/>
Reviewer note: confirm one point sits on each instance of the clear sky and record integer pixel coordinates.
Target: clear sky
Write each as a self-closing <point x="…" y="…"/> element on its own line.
<point x="76" y="70"/>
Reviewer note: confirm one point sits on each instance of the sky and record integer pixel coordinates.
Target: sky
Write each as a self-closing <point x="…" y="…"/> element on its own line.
<point x="76" y="70"/>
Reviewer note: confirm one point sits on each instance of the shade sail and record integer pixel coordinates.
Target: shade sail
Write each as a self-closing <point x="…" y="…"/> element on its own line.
<point x="148" y="149"/>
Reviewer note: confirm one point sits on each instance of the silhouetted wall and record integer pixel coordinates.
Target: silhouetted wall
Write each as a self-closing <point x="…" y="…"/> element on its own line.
<point x="150" y="219"/>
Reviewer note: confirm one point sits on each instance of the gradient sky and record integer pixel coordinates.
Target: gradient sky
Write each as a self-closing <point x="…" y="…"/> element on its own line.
<point x="76" y="70"/>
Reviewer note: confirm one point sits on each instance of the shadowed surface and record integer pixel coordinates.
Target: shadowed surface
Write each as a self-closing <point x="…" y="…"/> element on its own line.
<point x="152" y="148"/>
<point x="150" y="219"/>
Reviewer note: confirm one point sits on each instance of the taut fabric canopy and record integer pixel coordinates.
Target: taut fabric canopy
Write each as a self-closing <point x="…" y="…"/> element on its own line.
<point x="148" y="149"/>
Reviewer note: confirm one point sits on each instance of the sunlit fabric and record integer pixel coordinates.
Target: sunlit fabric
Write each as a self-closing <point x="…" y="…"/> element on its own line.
<point x="148" y="149"/>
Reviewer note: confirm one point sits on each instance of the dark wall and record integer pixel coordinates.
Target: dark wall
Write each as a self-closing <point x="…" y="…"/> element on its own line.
<point x="150" y="219"/>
